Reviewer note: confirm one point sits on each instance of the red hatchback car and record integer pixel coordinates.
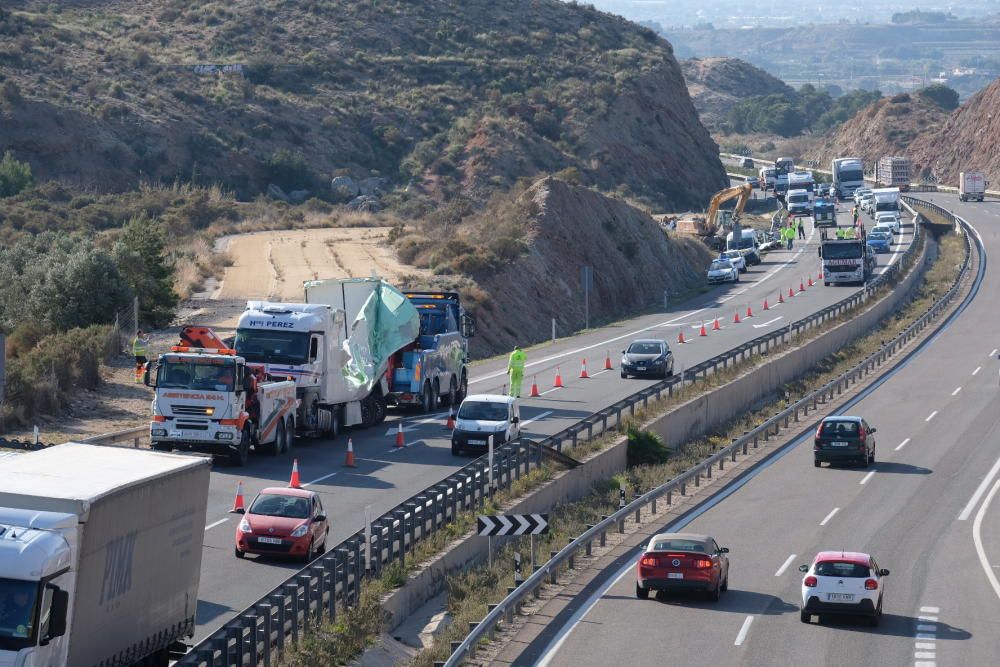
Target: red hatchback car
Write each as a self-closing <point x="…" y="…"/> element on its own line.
<point x="283" y="522"/>
<point x="682" y="562"/>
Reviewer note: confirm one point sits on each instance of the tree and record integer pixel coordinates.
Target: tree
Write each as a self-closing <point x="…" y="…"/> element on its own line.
<point x="14" y="176"/>
<point x="940" y="94"/>
<point x="139" y="254"/>
<point x="80" y="289"/>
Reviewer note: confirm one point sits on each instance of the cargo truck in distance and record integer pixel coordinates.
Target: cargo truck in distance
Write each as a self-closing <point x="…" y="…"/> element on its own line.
<point x="335" y="347"/>
<point x="848" y="175"/>
<point x="100" y="555"/>
<point x="893" y="172"/>
<point x="209" y="400"/>
<point x="971" y="186"/>
<point x="433" y="368"/>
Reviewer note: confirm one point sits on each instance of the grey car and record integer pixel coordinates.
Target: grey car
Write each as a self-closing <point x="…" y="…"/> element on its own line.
<point x="647" y="356"/>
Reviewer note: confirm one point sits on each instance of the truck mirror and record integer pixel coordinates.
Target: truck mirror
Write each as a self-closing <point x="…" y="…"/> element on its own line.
<point x="57" y="617"/>
<point x="146" y="379"/>
<point x="468" y="326"/>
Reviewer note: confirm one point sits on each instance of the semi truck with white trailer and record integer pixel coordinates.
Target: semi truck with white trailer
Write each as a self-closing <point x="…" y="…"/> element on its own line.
<point x="100" y="555"/>
<point x="335" y="347"/>
<point x="893" y="172"/>
<point x="207" y="399"/>
<point x="848" y="175"/>
<point x="971" y="186"/>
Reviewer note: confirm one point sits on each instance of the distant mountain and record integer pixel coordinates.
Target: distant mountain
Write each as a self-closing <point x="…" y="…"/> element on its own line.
<point x="717" y="84"/>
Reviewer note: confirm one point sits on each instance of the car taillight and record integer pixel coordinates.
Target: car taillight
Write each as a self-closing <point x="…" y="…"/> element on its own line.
<point x="819" y="431"/>
<point x="861" y="434"/>
<point x="810" y="581"/>
<point x="871" y="585"/>
<point x="701" y="563"/>
<point x="649" y="561"/>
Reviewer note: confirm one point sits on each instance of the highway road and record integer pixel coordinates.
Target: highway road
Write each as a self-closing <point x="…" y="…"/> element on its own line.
<point x="927" y="510"/>
<point x="385" y="476"/>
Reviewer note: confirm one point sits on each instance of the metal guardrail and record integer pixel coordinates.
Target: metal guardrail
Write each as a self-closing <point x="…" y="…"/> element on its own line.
<point x="505" y="610"/>
<point x="255" y="635"/>
<point x="135" y="435"/>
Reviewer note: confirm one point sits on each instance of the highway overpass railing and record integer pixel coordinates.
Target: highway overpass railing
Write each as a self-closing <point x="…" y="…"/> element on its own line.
<point x="504" y="611"/>
<point x="317" y="593"/>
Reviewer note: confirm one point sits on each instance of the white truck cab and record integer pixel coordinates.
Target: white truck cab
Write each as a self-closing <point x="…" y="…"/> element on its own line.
<point x="485" y="416"/>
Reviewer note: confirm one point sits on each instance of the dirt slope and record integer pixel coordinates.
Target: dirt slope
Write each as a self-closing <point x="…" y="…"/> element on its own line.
<point x="968" y="139"/>
<point x="717" y="84"/>
<point x="633" y="262"/>
<point x="887" y="127"/>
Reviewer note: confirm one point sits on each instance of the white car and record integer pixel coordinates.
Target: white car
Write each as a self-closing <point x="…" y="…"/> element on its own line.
<point x="859" y="193"/>
<point x="883" y="227"/>
<point x="723" y="271"/>
<point x="867" y="202"/>
<point x="842" y="583"/>
<point x="737" y="259"/>
<point x="890" y="218"/>
<point x="483" y="417"/>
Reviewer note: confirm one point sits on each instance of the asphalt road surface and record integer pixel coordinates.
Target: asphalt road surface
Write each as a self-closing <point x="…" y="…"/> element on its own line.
<point x="927" y="510"/>
<point x="385" y="476"/>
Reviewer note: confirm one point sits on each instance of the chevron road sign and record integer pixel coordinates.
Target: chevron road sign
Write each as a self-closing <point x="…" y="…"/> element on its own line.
<point x="513" y="524"/>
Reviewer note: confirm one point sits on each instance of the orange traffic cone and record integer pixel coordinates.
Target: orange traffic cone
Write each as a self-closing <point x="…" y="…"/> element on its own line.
<point x="451" y="419"/>
<point x="583" y="370"/>
<point x="781" y="297"/>
<point x="802" y="287"/>
<point x="680" y="337"/>
<point x="791" y="292"/>
<point x="399" y="436"/>
<point x="702" y="332"/>
<point x="349" y="461"/>
<point x="534" y="387"/>
<point x="294" y="482"/>
<point x="749" y="311"/>
<point x="766" y="307"/>
<point x="238" y="506"/>
<point x="736" y="317"/>
<point x="810" y="283"/>
<point x="820" y="275"/>
<point x="558" y="383"/>
<point x="607" y="361"/>
<point x="715" y="326"/>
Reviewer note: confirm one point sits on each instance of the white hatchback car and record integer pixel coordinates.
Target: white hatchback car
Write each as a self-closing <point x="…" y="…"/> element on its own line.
<point x="737" y="259"/>
<point x="888" y="217"/>
<point x="842" y="583"/>
<point x="884" y="227"/>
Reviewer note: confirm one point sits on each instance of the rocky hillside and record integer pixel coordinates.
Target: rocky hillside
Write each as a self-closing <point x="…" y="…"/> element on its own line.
<point x="568" y="227"/>
<point x="889" y="126"/>
<point x="717" y="84"/>
<point x="968" y="139"/>
<point x="434" y="99"/>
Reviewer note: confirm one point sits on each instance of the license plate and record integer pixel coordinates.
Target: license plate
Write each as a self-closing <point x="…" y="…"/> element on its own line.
<point x="839" y="597"/>
<point x="182" y="435"/>
<point x="641" y="363"/>
<point x="269" y="540"/>
<point x="838" y="444"/>
<point x="675" y="575"/>
<point x="477" y="442"/>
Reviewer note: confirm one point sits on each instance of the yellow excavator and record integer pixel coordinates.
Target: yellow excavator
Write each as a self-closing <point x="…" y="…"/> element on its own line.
<point x="709" y="224"/>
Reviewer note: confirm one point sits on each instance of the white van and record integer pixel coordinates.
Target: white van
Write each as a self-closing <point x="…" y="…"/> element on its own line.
<point x="485" y="416"/>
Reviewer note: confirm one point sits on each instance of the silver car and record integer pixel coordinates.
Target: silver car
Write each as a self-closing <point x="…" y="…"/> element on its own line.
<point x="737" y="259"/>
<point x="723" y="271"/>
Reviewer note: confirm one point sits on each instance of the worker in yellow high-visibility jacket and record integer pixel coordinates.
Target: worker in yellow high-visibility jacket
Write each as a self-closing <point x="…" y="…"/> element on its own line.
<point x="515" y="370"/>
<point x="140" y="350"/>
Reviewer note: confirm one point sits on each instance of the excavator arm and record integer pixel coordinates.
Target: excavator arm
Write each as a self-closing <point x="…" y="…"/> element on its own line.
<point x="743" y="192"/>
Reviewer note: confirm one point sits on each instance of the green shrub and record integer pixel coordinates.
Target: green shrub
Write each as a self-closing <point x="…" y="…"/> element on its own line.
<point x="940" y="94"/>
<point x="15" y="177"/>
<point x="288" y="169"/>
<point x="645" y="448"/>
<point x="140" y="254"/>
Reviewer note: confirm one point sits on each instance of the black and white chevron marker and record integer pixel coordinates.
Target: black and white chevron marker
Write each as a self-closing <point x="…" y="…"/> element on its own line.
<point x="513" y="524"/>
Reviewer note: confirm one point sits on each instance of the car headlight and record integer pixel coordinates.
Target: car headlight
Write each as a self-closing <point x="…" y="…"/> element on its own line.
<point x="245" y="526"/>
<point x="158" y="432"/>
<point x="301" y="530"/>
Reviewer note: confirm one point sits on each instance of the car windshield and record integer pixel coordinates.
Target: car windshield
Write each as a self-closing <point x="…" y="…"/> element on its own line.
<point x="878" y="236"/>
<point x="720" y="265"/>
<point x="205" y="374"/>
<point x="273" y="347"/>
<point x="798" y="199"/>
<point x="679" y="545"/>
<point x="831" y="568"/>
<point x="840" y="428"/>
<point x="483" y="411"/>
<point x="18" y="599"/>
<point x="289" y="507"/>
<point x="841" y="251"/>
<point x="849" y="175"/>
<point x="733" y="254"/>
<point x="644" y="348"/>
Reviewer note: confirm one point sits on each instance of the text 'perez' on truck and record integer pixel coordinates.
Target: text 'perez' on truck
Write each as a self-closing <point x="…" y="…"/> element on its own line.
<point x="209" y="400"/>
<point x="847" y="260"/>
<point x="100" y="555"/>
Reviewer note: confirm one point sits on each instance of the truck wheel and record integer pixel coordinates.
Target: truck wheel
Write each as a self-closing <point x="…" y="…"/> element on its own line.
<point x="452" y="393"/>
<point x="162" y="446"/>
<point x="242" y="454"/>
<point x="278" y="446"/>
<point x="427" y="401"/>
<point x="289" y="436"/>
<point x="381" y="408"/>
<point x="463" y="389"/>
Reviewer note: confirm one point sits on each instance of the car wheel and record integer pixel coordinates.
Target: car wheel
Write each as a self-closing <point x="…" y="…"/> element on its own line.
<point x="310" y="552"/>
<point x="239" y="554"/>
<point x="322" y="547"/>
<point x="716" y="593"/>
<point x="640" y="592"/>
<point x="455" y="451"/>
<point x="826" y="284"/>
<point x="817" y="463"/>
<point x="866" y="461"/>
<point x="624" y="375"/>
<point x="805" y="617"/>
<point x="871" y="457"/>
<point x="725" y="583"/>
<point x="736" y="277"/>
<point x="670" y="373"/>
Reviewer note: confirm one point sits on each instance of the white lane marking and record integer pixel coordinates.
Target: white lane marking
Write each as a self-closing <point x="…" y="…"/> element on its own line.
<point x="925" y="636"/>
<point x="549" y="391"/>
<point x="593" y="375"/>
<point x="541" y="415"/>
<point x="743" y="631"/>
<point x="217" y="523"/>
<point x="923" y="646"/>
<point x="978" y="368"/>
<point x="902" y="444"/>
<point x="829" y="516"/>
<point x="993" y="353"/>
<point x="925" y="663"/>
<point x="779" y="317"/>
<point x="784" y="566"/>
<point x="980" y="490"/>
<point x="924" y="655"/>
<point x="867" y="477"/>
<point x="727" y="298"/>
<point x="931" y="610"/>
<point x="978" y="539"/>
<point x="324" y="477"/>
<point x="955" y="393"/>
<point x="929" y="619"/>
<point x="931" y="416"/>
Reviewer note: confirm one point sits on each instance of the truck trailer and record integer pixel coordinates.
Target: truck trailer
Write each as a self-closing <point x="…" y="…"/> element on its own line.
<point x="893" y="172"/>
<point x="100" y="555"/>
<point x="971" y="186"/>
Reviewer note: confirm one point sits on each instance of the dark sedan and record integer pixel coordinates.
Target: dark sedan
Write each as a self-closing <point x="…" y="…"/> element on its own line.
<point x="647" y="357"/>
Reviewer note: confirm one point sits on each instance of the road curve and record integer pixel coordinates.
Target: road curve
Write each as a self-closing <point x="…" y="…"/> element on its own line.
<point x="928" y="511"/>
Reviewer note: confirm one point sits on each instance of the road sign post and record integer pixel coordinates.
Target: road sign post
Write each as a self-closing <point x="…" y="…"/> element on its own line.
<point x="621" y="497"/>
<point x="518" y="579"/>
<point x="489" y="441"/>
<point x="368" y="538"/>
